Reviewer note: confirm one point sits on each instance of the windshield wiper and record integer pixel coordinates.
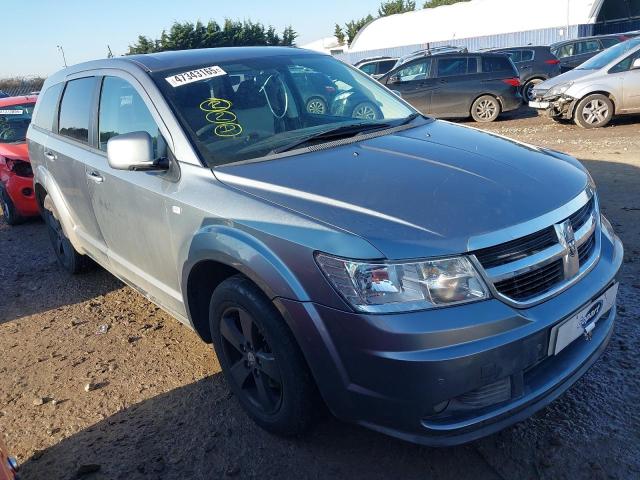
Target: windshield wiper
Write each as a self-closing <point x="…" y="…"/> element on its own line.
<point x="342" y="131"/>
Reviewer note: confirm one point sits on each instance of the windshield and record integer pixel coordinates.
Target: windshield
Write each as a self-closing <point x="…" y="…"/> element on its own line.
<point x="607" y="56"/>
<point x="14" y="122"/>
<point x="247" y="109"/>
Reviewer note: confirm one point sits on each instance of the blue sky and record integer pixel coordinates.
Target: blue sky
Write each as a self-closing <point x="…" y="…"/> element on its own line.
<point x="33" y="28"/>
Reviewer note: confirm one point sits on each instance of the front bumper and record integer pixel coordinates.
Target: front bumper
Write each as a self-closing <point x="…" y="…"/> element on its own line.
<point x="556" y="107"/>
<point x="416" y="376"/>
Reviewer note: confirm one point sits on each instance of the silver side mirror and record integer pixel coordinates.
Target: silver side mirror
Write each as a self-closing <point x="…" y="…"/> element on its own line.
<point x="636" y="64"/>
<point x="133" y="151"/>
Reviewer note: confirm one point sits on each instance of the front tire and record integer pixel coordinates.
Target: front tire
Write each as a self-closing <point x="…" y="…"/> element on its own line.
<point x="260" y="358"/>
<point x="366" y="111"/>
<point x="67" y="256"/>
<point x="485" y="109"/>
<point x="593" y="111"/>
<point x="9" y="212"/>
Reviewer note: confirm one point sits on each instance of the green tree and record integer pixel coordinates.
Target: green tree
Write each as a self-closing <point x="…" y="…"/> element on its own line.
<point x="339" y="34"/>
<point x="354" y="26"/>
<point x="392" y="7"/>
<point x="439" y="3"/>
<point x="188" y="35"/>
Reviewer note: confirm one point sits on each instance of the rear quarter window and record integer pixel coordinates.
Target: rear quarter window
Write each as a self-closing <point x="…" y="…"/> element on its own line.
<point x="609" y="42"/>
<point x="496" y="64"/>
<point x="47" y="105"/>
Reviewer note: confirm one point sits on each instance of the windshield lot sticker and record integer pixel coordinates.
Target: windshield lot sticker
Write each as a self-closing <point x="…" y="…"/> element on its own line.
<point x="218" y="112"/>
<point x="191" y="76"/>
<point x="11" y="112"/>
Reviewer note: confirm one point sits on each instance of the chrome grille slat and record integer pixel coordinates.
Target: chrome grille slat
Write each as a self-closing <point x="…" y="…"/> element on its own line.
<point x="531" y="268"/>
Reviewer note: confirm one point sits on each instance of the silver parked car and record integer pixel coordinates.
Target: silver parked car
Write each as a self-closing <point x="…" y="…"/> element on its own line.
<point x="606" y="85"/>
<point x="420" y="278"/>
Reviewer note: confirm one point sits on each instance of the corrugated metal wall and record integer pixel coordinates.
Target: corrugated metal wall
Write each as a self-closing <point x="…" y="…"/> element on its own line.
<point x="543" y="36"/>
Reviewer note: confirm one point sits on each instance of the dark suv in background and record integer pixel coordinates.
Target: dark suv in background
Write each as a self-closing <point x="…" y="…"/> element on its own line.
<point x="572" y="53"/>
<point x="458" y="85"/>
<point x="376" y="66"/>
<point x="535" y="65"/>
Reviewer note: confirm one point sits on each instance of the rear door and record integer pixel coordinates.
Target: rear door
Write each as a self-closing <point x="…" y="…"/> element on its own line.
<point x="66" y="154"/>
<point x="130" y="206"/>
<point x="413" y="81"/>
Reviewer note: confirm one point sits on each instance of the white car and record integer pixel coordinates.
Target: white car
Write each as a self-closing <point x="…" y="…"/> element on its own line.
<point x="603" y="86"/>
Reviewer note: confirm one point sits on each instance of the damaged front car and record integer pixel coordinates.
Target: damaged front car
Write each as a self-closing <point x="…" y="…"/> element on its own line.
<point x="590" y="95"/>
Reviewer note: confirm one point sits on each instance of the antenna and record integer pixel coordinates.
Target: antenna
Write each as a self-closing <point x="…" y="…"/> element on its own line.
<point x="61" y="50"/>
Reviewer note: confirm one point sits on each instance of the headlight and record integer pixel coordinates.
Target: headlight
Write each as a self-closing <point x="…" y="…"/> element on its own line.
<point x="404" y="287"/>
<point x="559" y="89"/>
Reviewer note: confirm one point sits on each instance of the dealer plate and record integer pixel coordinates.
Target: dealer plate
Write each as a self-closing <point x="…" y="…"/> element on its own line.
<point x="539" y="105"/>
<point x="583" y="322"/>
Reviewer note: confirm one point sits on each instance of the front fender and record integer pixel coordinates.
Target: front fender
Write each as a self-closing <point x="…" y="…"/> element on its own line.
<point x="245" y="253"/>
<point x="43" y="178"/>
<point x="580" y="92"/>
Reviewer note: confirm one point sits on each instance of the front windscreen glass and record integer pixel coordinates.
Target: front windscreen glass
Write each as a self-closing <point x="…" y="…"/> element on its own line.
<point x="609" y="55"/>
<point x="14" y="122"/>
<point x="248" y="109"/>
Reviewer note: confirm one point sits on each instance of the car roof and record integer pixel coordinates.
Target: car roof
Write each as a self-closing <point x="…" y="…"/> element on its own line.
<point x="374" y="59"/>
<point x="521" y="47"/>
<point x="9" y="101"/>
<point x="581" y="39"/>
<point x="170" y="60"/>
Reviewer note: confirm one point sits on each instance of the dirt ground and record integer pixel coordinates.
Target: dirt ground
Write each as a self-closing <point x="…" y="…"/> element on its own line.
<point x="158" y="407"/>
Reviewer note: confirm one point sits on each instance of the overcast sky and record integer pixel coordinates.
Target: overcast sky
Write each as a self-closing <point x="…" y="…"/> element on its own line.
<point x="33" y="28"/>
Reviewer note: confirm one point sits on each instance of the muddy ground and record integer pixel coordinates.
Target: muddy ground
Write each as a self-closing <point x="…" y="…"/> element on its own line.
<point x="158" y="406"/>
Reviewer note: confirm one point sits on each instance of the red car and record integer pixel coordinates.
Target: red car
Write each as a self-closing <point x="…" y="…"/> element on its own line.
<point x="17" y="197"/>
<point x="8" y="465"/>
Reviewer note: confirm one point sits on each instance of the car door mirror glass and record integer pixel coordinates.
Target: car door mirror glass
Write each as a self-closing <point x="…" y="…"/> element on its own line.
<point x="133" y="151"/>
<point x="636" y="64"/>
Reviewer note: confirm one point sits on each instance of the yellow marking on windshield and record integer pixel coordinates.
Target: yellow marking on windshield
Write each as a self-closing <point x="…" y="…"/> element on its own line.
<point x="219" y="113"/>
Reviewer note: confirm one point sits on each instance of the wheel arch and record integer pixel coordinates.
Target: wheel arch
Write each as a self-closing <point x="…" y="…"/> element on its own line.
<point x="219" y="252"/>
<point x="600" y="91"/>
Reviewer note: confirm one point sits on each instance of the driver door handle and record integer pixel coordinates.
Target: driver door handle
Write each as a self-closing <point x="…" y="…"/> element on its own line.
<point x="50" y="155"/>
<point x="95" y="177"/>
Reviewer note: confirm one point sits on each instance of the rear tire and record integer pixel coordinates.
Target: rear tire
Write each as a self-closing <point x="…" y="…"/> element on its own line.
<point x="67" y="256"/>
<point x="9" y="212"/>
<point x="366" y="111"/>
<point x="261" y="360"/>
<point x="527" y="89"/>
<point x="485" y="109"/>
<point x="317" y="106"/>
<point x="593" y="111"/>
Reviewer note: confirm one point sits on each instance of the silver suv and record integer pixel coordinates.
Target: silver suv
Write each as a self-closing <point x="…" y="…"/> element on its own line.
<point x="420" y="278"/>
<point x="606" y="85"/>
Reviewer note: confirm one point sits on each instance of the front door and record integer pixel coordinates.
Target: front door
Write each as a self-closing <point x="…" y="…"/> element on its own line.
<point x="414" y="84"/>
<point x="130" y="205"/>
<point x="631" y="86"/>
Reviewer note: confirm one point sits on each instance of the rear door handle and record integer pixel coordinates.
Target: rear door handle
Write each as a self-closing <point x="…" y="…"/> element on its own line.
<point x="50" y="155"/>
<point x="95" y="177"/>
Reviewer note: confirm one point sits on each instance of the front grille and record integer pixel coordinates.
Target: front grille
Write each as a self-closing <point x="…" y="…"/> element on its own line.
<point x="532" y="284"/>
<point x="579" y="218"/>
<point x="517" y="249"/>
<point x="586" y="249"/>
<point x="525" y="269"/>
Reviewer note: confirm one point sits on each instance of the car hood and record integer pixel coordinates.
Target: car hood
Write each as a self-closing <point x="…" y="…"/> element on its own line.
<point x="421" y="192"/>
<point x="15" y="151"/>
<point x="570" y="76"/>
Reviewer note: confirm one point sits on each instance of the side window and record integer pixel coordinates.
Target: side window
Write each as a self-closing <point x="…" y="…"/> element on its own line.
<point x="625" y="64"/>
<point x="122" y="110"/>
<point x="588" y="46"/>
<point x="415" y="71"/>
<point x="75" y="109"/>
<point x="609" y="42"/>
<point x="496" y="64"/>
<point x="516" y="56"/>
<point x="565" y="51"/>
<point x="48" y="102"/>
<point x="369" y="68"/>
<point x="386" y="66"/>
<point x="472" y="65"/>
<point x="527" y="55"/>
<point x="448" y="67"/>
